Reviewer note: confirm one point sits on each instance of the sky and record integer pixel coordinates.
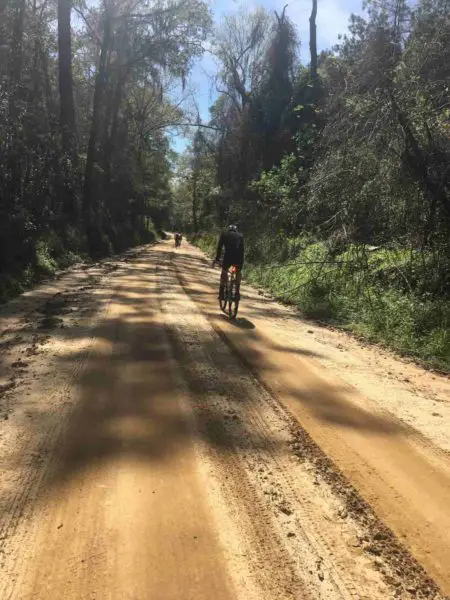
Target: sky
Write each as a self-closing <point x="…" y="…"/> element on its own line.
<point x="332" y="19"/>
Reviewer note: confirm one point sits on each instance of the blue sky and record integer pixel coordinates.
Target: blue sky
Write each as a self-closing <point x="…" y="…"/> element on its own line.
<point x="332" y="19"/>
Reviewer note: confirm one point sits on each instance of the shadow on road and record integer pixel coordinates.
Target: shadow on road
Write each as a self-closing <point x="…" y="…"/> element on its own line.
<point x="239" y="322"/>
<point x="127" y="392"/>
<point x="328" y="403"/>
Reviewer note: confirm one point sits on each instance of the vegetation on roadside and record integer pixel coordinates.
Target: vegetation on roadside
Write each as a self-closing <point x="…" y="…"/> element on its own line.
<point x="53" y="254"/>
<point x="88" y="91"/>
<point x="337" y="172"/>
<point x="361" y="290"/>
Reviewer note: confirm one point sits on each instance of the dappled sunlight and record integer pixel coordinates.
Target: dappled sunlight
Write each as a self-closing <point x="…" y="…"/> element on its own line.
<point x="155" y="374"/>
<point x="257" y="347"/>
<point x="127" y="403"/>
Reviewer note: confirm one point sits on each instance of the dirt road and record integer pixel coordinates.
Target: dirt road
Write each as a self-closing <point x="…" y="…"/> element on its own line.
<point x="152" y="449"/>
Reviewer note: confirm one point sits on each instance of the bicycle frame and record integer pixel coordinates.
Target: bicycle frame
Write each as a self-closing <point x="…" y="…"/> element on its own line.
<point x="230" y="303"/>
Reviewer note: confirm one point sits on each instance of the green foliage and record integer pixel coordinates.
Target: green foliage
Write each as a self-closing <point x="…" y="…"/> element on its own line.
<point x="51" y="254"/>
<point x="354" y="290"/>
<point x="340" y="182"/>
<point x="10" y="287"/>
<point x="54" y="253"/>
<point x="205" y="241"/>
<point x="276" y="191"/>
<point x="44" y="261"/>
<point x="89" y="180"/>
<point x="414" y="324"/>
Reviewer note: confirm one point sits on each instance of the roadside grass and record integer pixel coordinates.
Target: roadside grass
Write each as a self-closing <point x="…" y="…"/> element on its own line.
<point x="53" y="253"/>
<point x="381" y="295"/>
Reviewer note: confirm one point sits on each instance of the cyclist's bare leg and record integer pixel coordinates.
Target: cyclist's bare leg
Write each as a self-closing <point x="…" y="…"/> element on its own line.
<point x="223" y="282"/>
<point x="238" y="284"/>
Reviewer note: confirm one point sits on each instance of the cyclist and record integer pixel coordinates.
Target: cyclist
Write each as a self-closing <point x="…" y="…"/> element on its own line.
<point x="233" y="243"/>
<point x="178" y="238"/>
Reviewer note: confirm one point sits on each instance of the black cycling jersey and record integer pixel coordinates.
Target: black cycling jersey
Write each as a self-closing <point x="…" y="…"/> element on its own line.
<point x="233" y="243"/>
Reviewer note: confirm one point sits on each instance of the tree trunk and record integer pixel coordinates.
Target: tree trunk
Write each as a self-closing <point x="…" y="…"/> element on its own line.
<point x="16" y="58"/>
<point x="15" y="158"/>
<point x="194" y="202"/>
<point x="418" y="163"/>
<point x="111" y="133"/>
<point x="48" y="92"/>
<point x="313" y="39"/>
<point x="3" y="40"/>
<point x="90" y="212"/>
<point x="67" y="109"/>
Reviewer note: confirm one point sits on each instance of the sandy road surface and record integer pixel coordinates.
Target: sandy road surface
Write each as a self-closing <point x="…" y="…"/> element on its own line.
<point x="150" y="449"/>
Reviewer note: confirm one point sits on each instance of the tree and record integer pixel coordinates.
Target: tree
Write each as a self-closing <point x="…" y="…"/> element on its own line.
<point x="257" y="56"/>
<point x="163" y="41"/>
<point x="112" y="160"/>
<point x="65" y="76"/>
<point x="272" y="104"/>
<point x="239" y="47"/>
<point x="313" y="40"/>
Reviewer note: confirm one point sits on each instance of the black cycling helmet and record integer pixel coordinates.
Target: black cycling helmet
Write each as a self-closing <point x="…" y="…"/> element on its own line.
<point x="232" y="228"/>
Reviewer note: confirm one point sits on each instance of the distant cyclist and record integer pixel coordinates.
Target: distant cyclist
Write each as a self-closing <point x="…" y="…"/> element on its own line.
<point x="233" y="243"/>
<point x="178" y="238"/>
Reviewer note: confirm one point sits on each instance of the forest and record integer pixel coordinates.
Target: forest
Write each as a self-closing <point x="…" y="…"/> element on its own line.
<point x="336" y="171"/>
<point x="335" y="168"/>
<point x="86" y="100"/>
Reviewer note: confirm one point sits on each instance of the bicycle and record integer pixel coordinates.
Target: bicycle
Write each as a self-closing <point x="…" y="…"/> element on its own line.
<point x="229" y="304"/>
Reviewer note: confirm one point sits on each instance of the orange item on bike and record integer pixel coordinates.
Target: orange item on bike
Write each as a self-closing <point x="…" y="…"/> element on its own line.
<point x="233" y="269"/>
